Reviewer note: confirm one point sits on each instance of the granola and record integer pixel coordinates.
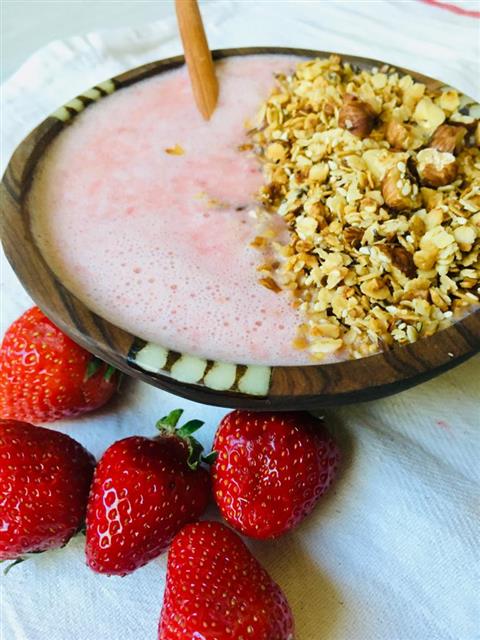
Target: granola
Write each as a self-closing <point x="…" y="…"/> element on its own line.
<point x="377" y="179"/>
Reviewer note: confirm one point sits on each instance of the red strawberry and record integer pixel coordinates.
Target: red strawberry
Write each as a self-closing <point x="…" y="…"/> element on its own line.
<point x="216" y="590"/>
<point x="271" y="469"/>
<point x="44" y="482"/>
<point x="143" y="492"/>
<point x="45" y="376"/>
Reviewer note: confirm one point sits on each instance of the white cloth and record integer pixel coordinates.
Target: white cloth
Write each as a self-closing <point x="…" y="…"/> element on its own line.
<point x="390" y="553"/>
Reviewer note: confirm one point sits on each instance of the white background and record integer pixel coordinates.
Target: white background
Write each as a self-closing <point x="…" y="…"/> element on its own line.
<point x="390" y="554"/>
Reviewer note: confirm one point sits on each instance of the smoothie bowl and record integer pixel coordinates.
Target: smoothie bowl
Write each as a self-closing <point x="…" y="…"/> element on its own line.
<point x="316" y="242"/>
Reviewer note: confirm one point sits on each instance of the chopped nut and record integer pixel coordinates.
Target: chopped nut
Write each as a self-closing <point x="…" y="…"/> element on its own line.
<point x="177" y="150"/>
<point x="397" y="135"/>
<point x="306" y="227"/>
<point x="428" y="115"/>
<point x="435" y="168"/>
<point x="448" y="138"/>
<point x="275" y="151"/>
<point x="434" y="218"/>
<point x="300" y="342"/>
<point x="431" y="198"/>
<point x="326" y="345"/>
<point x="326" y="330"/>
<point x="468" y="121"/>
<point x="426" y="258"/>
<point x="269" y="283"/>
<point x="399" y="191"/>
<point x="465" y="237"/>
<point x="378" y="162"/>
<point x="353" y="236"/>
<point x="403" y="260"/>
<point x="449" y="100"/>
<point x="245" y="147"/>
<point x="403" y="136"/>
<point x="356" y="116"/>
<point x="319" y="172"/>
<point x="259" y="242"/>
<point x="375" y="288"/>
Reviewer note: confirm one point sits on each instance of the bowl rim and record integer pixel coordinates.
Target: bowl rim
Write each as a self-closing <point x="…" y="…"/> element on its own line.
<point x="253" y="386"/>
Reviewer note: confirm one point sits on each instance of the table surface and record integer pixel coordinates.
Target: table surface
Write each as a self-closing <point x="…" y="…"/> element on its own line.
<point x="391" y="553"/>
<point x="27" y="25"/>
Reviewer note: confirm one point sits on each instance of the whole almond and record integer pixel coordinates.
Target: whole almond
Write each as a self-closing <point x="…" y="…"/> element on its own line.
<point x="448" y="138"/>
<point x="356" y="116"/>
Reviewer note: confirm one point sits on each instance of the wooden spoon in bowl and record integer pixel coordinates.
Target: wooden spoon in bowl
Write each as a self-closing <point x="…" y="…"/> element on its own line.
<point x="198" y="56"/>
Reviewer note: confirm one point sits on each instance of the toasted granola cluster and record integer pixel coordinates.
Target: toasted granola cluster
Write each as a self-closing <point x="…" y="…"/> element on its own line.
<point x="377" y="178"/>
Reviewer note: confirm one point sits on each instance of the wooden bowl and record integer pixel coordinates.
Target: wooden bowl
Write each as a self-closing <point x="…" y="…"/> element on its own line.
<point x="257" y="387"/>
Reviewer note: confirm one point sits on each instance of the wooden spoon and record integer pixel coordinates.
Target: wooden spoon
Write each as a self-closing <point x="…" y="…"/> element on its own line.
<point x="198" y="56"/>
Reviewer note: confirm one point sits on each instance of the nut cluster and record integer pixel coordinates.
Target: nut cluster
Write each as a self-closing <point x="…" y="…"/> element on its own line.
<point x="377" y="179"/>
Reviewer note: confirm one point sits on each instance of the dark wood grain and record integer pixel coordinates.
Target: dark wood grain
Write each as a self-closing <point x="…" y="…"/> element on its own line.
<point x="307" y="387"/>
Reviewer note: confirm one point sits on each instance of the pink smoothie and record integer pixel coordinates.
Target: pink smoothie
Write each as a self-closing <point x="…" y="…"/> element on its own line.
<point x="158" y="243"/>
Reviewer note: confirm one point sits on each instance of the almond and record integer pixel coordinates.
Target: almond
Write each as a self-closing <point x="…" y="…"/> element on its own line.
<point x="448" y="138"/>
<point x="399" y="190"/>
<point x="356" y="116"/>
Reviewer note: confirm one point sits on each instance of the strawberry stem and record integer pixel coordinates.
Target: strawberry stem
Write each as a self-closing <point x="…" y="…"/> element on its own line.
<point x="189" y="427"/>
<point x="107" y="376"/>
<point x="12" y="564"/>
<point x="168" y="426"/>
<point x="92" y="367"/>
<point x="210" y="458"/>
<point x="171" y="420"/>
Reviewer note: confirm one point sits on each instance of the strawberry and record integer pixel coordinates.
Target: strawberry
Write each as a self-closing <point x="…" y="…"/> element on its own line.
<point x="44" y="482"/>
<point x="143" y="492"/>
<point x="271" y="469"/>
<point x="216" y="590"/>
<point x="45" y="376"/>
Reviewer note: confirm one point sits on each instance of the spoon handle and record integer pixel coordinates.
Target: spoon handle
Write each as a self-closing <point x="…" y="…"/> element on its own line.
<point x="198" y="56"/>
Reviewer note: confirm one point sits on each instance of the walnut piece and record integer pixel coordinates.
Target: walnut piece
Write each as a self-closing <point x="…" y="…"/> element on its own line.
<point x="353" y="236"/>
<point x="356" y="116"/>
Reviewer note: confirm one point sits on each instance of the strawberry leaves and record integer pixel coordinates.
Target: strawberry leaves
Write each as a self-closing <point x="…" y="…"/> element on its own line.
<point x="168" y="426"/>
